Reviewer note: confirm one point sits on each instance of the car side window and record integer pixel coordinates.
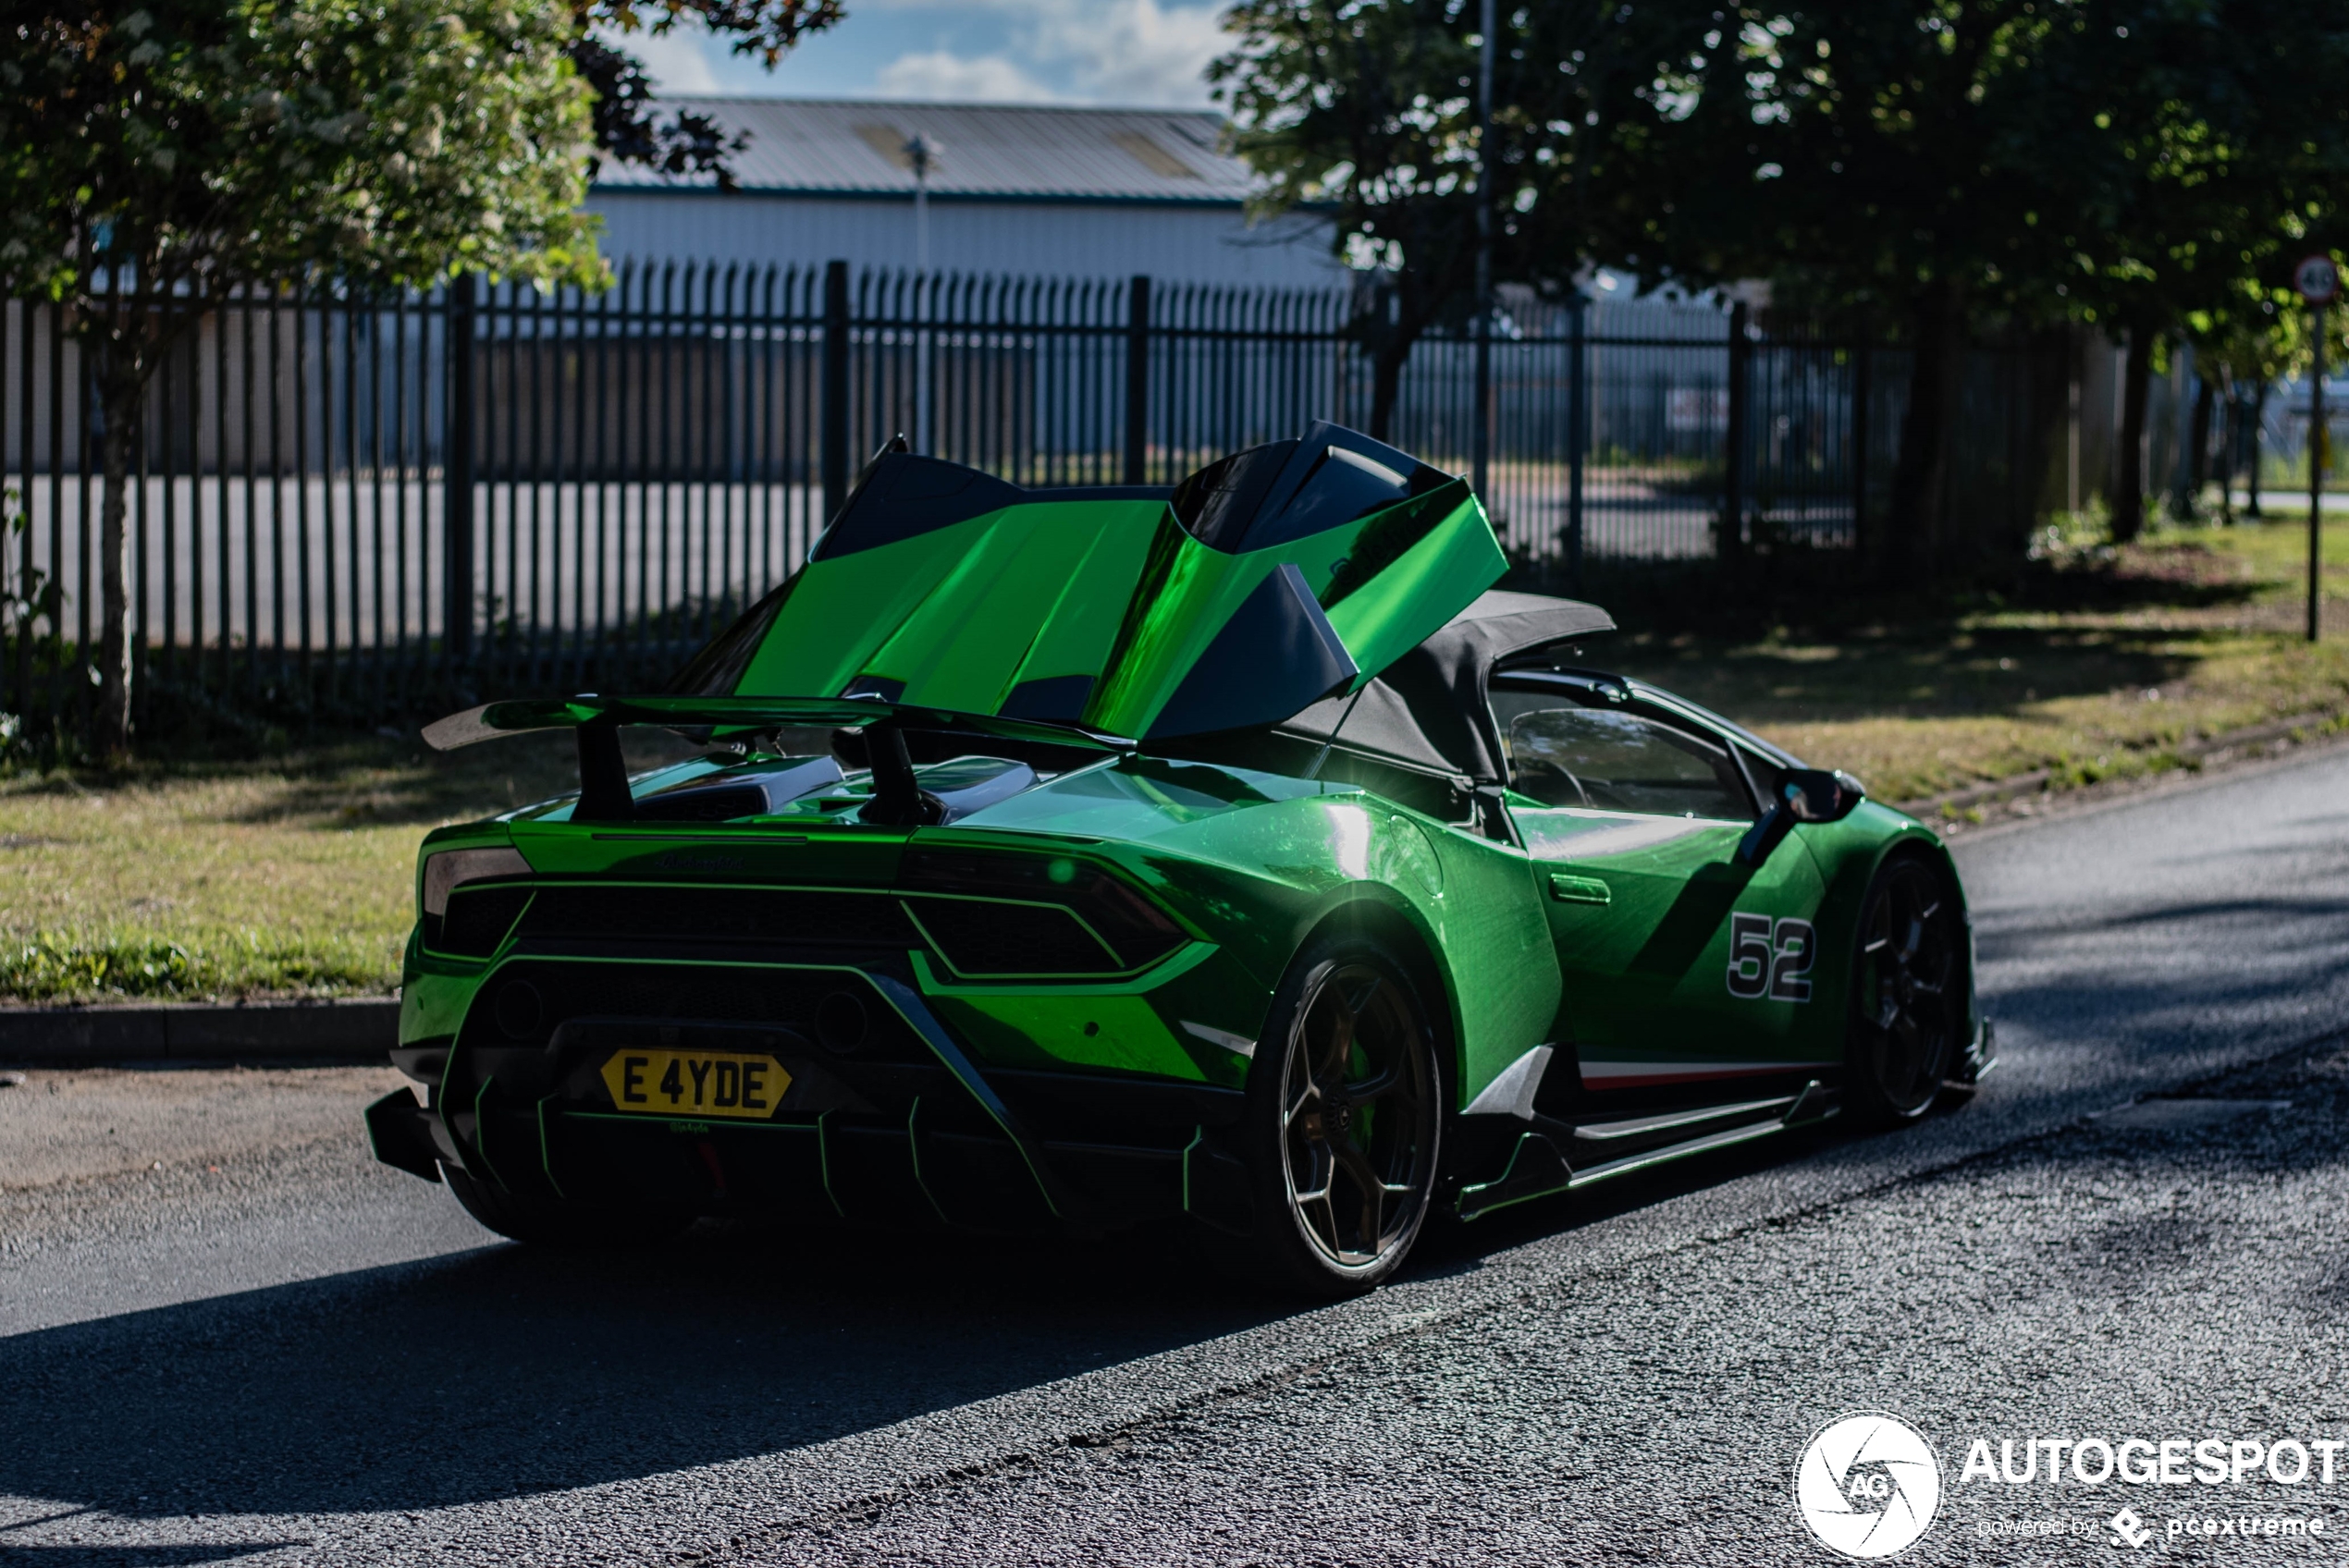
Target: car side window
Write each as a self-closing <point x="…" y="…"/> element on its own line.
<point x="1613" y="761"/>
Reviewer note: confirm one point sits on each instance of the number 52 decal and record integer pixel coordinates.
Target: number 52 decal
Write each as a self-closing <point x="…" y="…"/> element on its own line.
<point x="1771" y="960"/>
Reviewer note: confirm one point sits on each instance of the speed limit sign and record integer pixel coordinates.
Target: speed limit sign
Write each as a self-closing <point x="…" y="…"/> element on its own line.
<point x="2317" y="279"/>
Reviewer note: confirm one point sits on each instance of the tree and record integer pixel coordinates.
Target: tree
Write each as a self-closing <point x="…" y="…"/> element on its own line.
<point x="1919" y="164"/>
<point x="2236" y="162"/>
<point x="154" y="162"/>
<point x="2256" y="336"/>
<point x="1368" y="108"/>
<point x="629" y="126"/>
<point x="1943" y="163"/>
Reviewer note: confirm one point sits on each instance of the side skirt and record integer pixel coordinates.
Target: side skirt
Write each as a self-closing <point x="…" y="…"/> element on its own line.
<point x="1536" y="1169"/>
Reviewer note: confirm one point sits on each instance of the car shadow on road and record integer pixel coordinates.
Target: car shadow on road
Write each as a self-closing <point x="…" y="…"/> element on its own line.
<point x="508" y="1371"/>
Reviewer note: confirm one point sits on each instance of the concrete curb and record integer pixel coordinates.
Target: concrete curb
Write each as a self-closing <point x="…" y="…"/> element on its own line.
<point x="2035" y="781"/>
<point x="351" y="1029"/>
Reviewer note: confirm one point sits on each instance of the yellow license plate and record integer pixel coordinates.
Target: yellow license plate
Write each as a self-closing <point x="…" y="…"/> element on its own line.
<point x="696" y="1085"/>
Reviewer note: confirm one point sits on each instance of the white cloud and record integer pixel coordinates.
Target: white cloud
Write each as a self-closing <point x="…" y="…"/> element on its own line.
<point x="678" y="62"/>
<point x="1148" y="53"/>
<point x="1129" y="51"/>
<point x="1075" y="51"/>
<point x="940" y="77"/>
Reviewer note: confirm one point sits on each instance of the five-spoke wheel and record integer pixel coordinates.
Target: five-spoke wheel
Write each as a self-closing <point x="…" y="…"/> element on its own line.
<point x="1908" y="993"/>
<point x="1346" y="1114"/>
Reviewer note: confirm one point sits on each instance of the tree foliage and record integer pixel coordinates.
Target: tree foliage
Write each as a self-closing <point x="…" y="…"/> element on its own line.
<point x="1919" y="167"/>
<point x="156" y="160"/>
<point x="1368" y="109"/>
<point x="629" y="125"/>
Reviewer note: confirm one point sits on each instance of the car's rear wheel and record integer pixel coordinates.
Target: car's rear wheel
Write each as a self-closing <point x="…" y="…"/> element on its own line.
<point x="1345" y="1118"/>
<point x="552" y="1223"/>
<point x="1908" y="993"/>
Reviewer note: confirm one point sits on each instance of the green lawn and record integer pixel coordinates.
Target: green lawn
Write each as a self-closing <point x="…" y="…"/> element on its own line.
<point x="290" y="875"/>
<point x="2101" y="671"/>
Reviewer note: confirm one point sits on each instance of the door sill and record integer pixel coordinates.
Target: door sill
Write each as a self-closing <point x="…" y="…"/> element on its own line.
<point x="1727" y="1138"/>
<point x="1643" y="1126"/>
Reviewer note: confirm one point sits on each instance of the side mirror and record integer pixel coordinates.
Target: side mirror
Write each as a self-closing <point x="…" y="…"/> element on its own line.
<point x="1814" y="795"/>
<point x="1806" y="794"/>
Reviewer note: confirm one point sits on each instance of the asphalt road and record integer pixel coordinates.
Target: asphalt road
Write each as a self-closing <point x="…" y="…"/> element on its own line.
<point x="299" y="1357"/>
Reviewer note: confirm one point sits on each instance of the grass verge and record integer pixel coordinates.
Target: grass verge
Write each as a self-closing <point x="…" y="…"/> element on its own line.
<point x="2100" y="667"/>
<point x="288" y="877"/>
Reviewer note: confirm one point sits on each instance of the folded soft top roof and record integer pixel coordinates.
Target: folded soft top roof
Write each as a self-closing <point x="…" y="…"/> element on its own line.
<point x="1430" y="709"/>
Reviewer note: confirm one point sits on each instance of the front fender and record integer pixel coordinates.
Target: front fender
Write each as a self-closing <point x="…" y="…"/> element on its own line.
<point x="1849" y="854"/>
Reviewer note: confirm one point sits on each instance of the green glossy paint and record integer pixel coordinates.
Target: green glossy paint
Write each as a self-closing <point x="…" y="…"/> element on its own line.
<point x="1644" y="954"/>
<point x="1607" y="934"/>
<point x="1188" y="592"/>
<point x="1083" y="1033"/>
<point x="1112" y="589"/>
<point x="1495" y="950"/>
<point x="956" y="613"/>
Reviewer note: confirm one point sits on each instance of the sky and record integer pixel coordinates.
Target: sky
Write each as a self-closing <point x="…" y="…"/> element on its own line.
<point x="1139" y="53"/>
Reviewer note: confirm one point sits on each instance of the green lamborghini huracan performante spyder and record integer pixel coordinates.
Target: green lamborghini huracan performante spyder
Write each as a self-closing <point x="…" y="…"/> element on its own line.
<point x="1232" y="858"/>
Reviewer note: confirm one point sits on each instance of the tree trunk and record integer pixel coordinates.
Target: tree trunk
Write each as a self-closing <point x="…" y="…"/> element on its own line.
<point x="2198" y="456"/>
<point x="2046" y="434"/>
<point x="119" y="398"/>
<point x="2251" y="449"/>
<point x="1920" y="476"/>
<point x="2129" y="484"/>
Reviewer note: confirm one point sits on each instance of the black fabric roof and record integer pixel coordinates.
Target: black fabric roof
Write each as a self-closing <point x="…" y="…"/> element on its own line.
<point x="1428" y="708"/>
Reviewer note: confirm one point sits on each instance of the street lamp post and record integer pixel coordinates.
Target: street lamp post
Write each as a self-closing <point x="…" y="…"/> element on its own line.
<point x="1481" y="425"/>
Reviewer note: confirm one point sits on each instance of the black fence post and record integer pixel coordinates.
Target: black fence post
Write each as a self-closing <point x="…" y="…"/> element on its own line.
<point x="1578" y="441"/>
<point x="1862" y="357"/>
<point x="457" y="472"/>
<point x="836" y="412"/>
<point x="1480" y="423"/>
<point x="1138" y="380"/>
<point x="1732" y="542"/>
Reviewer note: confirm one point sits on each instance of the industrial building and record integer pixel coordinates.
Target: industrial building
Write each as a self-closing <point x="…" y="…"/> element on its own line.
<point x="1012" y="188"/>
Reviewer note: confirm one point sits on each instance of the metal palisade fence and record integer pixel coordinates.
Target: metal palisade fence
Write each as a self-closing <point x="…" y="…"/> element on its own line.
<point x="356" y="510"/>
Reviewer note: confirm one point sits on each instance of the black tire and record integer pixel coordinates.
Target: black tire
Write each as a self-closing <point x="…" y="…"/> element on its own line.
<point x="1907" y="993"/>
<point x="1343" y="1122"/>
<point x="551" y="1222"/>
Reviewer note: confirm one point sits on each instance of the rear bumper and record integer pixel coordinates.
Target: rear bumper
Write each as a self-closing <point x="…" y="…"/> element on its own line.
<point x="910" y="1128"/>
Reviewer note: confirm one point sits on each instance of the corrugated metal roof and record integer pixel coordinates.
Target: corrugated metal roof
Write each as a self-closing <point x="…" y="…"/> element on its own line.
<point x="855" y="147"/>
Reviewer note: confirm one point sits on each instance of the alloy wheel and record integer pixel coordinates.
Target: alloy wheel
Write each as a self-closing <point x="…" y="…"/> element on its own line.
<point x="1358" y="1115"/>
<point x="1905" y="989"/>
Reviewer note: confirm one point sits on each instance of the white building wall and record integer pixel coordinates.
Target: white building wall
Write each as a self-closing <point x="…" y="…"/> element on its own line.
<point x="1201" y="244"/>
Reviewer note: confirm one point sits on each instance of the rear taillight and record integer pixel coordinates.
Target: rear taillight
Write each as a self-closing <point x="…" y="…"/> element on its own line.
<point x="469" y="898"/>
<point x="992" y="914"/>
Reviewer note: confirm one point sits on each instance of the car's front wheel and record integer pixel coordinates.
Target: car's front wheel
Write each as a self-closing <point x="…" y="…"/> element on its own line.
<point x="1345" y="1117"/>
<point x="1908" y="993"/>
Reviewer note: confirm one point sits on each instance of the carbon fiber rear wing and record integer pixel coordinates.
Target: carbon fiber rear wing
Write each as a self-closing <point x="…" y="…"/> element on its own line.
<point x="604" y="792"/>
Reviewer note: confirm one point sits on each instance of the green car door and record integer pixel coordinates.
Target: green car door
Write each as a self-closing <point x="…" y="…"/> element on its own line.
<point x="1687" y="974"/>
